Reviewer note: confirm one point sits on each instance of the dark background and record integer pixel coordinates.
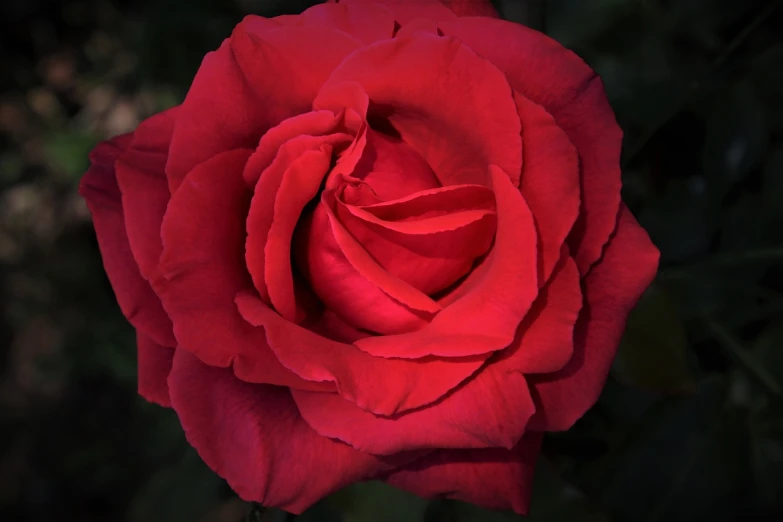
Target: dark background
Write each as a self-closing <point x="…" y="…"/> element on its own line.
<point x="689" y="427"/>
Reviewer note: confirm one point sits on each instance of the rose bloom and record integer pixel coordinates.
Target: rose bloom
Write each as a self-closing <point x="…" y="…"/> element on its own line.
<point x="378" y="240"/>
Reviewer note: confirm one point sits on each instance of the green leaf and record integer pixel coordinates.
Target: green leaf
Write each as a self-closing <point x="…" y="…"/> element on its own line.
<point x="653" y="352"/>
<point x="67" y="151"/>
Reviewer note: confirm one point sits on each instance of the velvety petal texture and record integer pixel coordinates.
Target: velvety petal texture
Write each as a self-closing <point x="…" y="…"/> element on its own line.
<point x="550" y="75"/>
<point x="136" y="299"/>
<point x="611" y="291"/>
<point x="494" y="478"/>
<point x="254" y="437"/>
<point x="379" y="239"/>
<point x="154" y="365"/>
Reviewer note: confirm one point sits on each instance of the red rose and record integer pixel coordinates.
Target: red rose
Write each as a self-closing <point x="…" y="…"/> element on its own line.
<point x="377" y="240"/>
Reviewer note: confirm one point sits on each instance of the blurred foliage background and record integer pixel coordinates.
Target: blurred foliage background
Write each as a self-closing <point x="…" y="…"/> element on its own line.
<point x="689" y="427"/>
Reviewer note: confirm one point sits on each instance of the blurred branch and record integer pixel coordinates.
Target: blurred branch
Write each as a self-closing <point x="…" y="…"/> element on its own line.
<point x="742" y="357"/>
<point x="733" y="45"/>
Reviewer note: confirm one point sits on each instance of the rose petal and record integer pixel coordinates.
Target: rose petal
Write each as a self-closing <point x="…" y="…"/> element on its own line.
<point x="418" y="25"/>
<point x="382" y="386"/>
<point x="404" y="10"/>
<point x="545" y="340"/>
<point x="299" y="185"/>
<point x="137" y="301"/>
<point x="472" y="8"/>
<point x="253" y="436"/>
<point x="368" y="22"/>
<point x="232" y="101"/>
<point x="430" y="253"/>
<point x="142" y="180"/>
<point x="392" y="168"/>
<point x="261" y="215"/>
<point x="491" y="478"/>
<point x="611" y="290"/>
<point x="310" y="124"/>
<point x="436" y="201"/>
<point x="154" y="366"/>
<point x="202" y="268"/>
<point x="550" y="181"/>
<point x="350" y="282"/>
<point x="442" y="100"/>
<point x="555" y="78"/>
<point x="486" y="317"/>
<point x="489" y="410"/>
<point x="348" y="97"/>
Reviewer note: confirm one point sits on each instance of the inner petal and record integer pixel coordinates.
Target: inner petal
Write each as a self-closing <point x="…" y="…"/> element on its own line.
<point x="429" y="248"/>
<point x="388" y="169"/>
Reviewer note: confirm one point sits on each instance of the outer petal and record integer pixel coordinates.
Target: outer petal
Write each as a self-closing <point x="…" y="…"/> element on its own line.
<point x="202" y="269"/>
<point x="611" y="290"/>
<point x="141" y="177"/>
<point x="472" y="8"/>
<point x="405" y="10"/>
<point x="554" y="77"/>
<point x="154" y="366"/>
<point x="253" y="436"/>
<point x="485" y="318"/>
<point x="137" y="301"/>
<point x="492" y="478"/>
<point x="550" y="181"/>
<point x="545" y="340"/>
<point x="366" y="21"/>
<point x="491" y="409"/>
<point x="255" y="80"/>
<point x="442" y="100"/>
<point x="382" y="386"/>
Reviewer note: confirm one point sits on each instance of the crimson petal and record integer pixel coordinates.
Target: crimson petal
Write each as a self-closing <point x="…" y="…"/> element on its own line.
<point x="442" y="100"/>
<point x="141" y="177"/>
<point x="550" y="181"/>
<point x="552" y="76"/>
<point x="485" y="318"/>
<point x="202" y="268"/>
<point x="491" y="478"/>
<point x="137" y="301"/>
<point x="154" y="366"/>
<point x="382" y="386"/>
<point x="232" y="102"/>
<point x="252" y="435"/>
<point x="404" y="10"/>
<point x="611" y="290"/>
